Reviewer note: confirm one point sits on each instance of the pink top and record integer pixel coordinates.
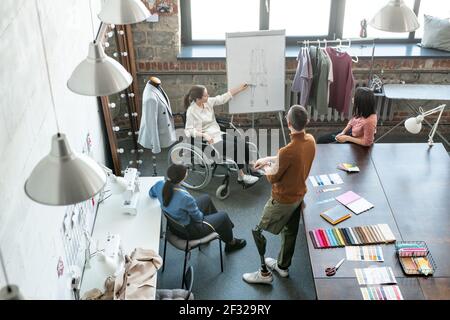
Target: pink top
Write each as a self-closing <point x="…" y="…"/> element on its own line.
<point x="364" y="128"/>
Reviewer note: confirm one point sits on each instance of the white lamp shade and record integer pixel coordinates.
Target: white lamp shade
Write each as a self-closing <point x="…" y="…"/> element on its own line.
<point x="123" y="12"/>
<point x="64" y="177"/>
<point x="396" y="16"/>
<point x="99" y="75"/>
<point x="414" y="125"/>
<point x="118" y="184"/>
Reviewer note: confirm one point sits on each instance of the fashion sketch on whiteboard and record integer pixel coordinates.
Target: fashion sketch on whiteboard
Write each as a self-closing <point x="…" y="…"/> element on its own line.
<point x="258" y="75"/>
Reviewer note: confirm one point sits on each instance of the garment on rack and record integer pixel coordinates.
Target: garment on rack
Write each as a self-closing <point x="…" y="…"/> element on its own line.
<point x="303" y="76"/>
<point x="330" y="75"/>
<point x="157" y="125"/>
<point x="342" y="86"/>
<point x="322" y="82"/>
<point x="315" y="66"/>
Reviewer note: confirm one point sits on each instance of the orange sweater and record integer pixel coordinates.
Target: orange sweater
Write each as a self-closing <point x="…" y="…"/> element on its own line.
<point x="295" y="161"/>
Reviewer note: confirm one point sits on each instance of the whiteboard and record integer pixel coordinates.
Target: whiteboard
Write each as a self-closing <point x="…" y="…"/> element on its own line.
<point x="257" y="58"/>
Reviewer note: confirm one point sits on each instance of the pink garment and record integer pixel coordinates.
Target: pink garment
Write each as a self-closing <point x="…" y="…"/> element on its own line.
<point x="342" y="86"/>
<point x="364" y="128"/>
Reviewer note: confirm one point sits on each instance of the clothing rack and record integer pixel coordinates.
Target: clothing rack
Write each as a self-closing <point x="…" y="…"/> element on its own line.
<point x="349" y="40"/>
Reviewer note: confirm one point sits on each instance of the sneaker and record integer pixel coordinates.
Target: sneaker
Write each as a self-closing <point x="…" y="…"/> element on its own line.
<point x="248" y="179"/>
<point x="238" y="244"/>
<point x="257" y="277"/>
<point x="272" y="264"/>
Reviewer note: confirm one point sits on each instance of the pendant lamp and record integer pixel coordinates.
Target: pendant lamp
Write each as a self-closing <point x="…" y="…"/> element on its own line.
<point x="64" y="177"/>
<point x="396" y="16"/>
<point x="10" y="291"/>
<point x="123" y="12"/>
<point x="98" y="74"/>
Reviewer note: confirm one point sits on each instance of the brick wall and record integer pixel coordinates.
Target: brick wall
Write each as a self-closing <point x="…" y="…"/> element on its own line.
<point x="157" y="46"/>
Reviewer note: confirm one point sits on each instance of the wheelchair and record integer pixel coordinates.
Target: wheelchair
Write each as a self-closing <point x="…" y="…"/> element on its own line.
<point x="201" y="167"/>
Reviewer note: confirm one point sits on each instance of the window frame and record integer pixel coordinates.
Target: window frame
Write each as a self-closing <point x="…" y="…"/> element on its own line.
<point x="335" y="25"/>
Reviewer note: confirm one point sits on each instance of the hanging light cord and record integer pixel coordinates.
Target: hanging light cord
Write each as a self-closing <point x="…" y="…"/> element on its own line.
<point x="4" y="272"/>
<point x="90" y="18"/>
<point x="46" y="65"/>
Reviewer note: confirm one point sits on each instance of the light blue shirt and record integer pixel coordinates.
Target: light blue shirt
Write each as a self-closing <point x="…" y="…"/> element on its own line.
<point x="182" y="206"/>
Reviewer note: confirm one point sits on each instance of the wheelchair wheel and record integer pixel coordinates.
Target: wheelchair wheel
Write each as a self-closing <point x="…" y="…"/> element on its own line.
<point x="199" y="169"/>
<point x="223" y="191"/>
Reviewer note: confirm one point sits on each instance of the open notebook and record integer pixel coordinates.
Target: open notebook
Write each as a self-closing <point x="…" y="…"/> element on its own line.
<point x="354" y="202"/>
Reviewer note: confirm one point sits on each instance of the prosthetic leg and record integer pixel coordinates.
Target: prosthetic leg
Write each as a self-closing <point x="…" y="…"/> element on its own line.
<point x="260" y="242"/>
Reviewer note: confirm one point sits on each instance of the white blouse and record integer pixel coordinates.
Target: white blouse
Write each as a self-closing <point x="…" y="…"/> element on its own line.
<point x="203" y="120"/>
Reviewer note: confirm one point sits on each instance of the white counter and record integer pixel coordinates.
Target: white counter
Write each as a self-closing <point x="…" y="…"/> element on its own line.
<point x="139" y="231"/>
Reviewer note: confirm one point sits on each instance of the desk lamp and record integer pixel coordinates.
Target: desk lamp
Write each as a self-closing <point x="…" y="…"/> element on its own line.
<point x="414" y="124"/>
<point x="9" y="292"/>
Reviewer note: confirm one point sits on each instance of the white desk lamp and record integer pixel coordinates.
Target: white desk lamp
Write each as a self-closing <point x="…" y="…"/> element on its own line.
<point x="414" y="124"/>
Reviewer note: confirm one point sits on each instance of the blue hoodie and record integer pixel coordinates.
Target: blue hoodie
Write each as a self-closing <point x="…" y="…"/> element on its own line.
<point x="182" y="206"/>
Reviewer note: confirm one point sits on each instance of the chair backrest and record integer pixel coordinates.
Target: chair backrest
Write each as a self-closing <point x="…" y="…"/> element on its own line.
<point x="175" y="227"/>
<point x="189" y="281"/>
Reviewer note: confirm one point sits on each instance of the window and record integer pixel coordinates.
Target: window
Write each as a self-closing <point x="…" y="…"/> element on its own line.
<point x="357" y="10"/>
<point x="436" y="8"/>
<point x="207" y="21"/>
<point x="299" y="19"/>
<point x="211" y="19"/>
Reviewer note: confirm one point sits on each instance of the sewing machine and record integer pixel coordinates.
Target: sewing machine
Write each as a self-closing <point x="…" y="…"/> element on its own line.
<point x="131" y="194"/>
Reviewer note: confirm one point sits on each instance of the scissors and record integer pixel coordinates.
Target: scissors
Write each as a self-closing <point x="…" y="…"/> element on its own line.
<point x="332" y="270"/>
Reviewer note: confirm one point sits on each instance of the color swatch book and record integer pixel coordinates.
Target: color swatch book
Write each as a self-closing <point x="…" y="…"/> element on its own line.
<point x="351" y="236"/>
<point x="348" y="167"/>
<point x="379" y="275"/>
<point x="326" y="180"/>
<point x="354" y="202"/>
<point x="336" y="214"/>
<point x="381" y="293"/>
<point x="364" y="253"/>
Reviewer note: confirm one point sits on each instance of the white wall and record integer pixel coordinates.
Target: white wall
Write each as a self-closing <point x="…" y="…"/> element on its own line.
<point x="29" y="232"/>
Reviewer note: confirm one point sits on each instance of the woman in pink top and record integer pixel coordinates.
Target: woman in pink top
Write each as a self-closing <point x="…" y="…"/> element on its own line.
<point x="362" y="127"/>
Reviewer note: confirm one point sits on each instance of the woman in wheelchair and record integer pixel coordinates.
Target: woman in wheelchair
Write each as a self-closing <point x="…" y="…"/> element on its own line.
<point x="182" y="207"/>
<point x="201" y="122"/>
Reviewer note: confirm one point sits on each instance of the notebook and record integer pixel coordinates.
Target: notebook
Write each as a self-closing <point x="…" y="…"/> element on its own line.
<point x="336" y="214"/>
<point x="354" y="202"/>
<point x="348" y="167"/>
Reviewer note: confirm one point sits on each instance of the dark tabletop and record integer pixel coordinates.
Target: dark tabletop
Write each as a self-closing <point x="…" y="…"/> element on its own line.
<point x="409" y="185"/>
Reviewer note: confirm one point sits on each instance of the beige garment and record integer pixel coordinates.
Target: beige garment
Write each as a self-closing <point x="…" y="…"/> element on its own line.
<point x="135" y="281"/>
<point x="97" y="294"/>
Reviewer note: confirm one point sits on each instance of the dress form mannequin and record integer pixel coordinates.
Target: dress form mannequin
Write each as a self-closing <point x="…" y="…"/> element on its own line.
<point x="156" y="82"/>
<point x="157" y="126"/>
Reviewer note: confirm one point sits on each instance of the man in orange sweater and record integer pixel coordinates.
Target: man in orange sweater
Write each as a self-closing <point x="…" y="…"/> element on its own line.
<point x="287" y="172"/>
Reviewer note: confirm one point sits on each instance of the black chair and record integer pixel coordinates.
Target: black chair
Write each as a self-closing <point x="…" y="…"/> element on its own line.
<point x="178" y="237"/>
<point x="179" y="294"/>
